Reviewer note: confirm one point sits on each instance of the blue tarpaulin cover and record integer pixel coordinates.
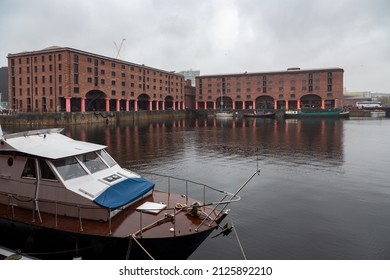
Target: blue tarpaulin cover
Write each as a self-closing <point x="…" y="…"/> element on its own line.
<point x="124" y="192"/>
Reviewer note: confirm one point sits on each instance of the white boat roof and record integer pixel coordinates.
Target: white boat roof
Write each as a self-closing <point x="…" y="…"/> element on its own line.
<point x="46" y="143"/>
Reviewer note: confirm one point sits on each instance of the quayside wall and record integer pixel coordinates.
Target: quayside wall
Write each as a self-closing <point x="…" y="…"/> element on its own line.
<point x="75" y="118"/>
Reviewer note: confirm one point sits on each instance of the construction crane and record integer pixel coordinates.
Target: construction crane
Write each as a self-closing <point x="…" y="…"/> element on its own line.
<point x="118" y="49"/>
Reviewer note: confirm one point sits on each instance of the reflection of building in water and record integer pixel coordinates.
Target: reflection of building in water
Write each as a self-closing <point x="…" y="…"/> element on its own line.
<point x="143" y="142"/>
<point x="292" y="141"/>
<point x="291" y="89"/>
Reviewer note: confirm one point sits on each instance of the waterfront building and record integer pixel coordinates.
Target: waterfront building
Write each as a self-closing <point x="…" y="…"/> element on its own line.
<point x="294" y="88"/>
<point x="65" y="79"/>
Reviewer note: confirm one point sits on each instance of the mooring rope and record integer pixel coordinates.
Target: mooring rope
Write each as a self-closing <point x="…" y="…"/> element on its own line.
<point x="135" y="239"/>
<point x="238" y="239"/>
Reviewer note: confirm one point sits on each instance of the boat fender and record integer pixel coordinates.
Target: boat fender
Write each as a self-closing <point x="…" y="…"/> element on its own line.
<point x="221" y="217"/>
<point x="226" y="230"/>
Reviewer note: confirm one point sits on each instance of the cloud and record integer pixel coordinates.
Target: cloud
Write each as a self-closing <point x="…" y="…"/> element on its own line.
<point x="216" y="36"/>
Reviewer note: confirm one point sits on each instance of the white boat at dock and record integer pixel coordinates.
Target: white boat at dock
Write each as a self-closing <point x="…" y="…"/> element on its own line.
<point x="63" y="199"/>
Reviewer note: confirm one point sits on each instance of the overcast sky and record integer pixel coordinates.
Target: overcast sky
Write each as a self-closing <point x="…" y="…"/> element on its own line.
<point x="220" y="36"/>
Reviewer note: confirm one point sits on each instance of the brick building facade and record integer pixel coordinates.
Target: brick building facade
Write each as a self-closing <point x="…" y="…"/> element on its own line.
<point x="65" y="79"/>
<point x="291" y="89"/>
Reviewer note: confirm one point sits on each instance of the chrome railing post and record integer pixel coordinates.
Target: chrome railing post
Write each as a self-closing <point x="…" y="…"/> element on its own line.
<point x="109" y="221"/>
<point x="81" y="223"/>
<point x="56" y="216"/>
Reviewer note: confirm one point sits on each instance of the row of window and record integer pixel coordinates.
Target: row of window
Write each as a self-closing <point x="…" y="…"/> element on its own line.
<point x="123" y="67"/>
<point x="35" y="59"/>
<point x="264" y="90"/>
<point x="264" y="83"/>
<point x="269" y="78"/>
<point x="76" y="66"/>
<point x="132" y="77"/>
<point x="69" y="168"/>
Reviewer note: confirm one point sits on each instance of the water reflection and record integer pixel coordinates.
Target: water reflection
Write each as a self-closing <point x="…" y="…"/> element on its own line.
<point x="308" y="142"/>
<point x="290" y="140"/>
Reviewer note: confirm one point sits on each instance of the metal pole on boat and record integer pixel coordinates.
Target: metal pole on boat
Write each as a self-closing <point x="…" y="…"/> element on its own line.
<point x="227" y="202"/>
<point x="109" y="221"/>
<point x="240" y="189"/>
<point x="81" y="223"/>
<point x="35" y="202"/>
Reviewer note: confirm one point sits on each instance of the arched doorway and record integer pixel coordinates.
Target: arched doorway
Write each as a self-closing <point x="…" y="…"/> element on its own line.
<point x="224" y="103"/>
<point x="311" y="101"/>
<point x="168" y="102"/>
<point x="265" y="102"/>
<point x="143" y="101"/>
<point x="95" y="100"/>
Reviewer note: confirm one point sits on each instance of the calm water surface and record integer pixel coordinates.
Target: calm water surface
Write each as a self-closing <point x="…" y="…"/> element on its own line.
<point x="323" y="191"/>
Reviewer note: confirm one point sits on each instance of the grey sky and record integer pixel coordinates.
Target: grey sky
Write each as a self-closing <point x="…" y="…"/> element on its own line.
<point x="220" y="36"/>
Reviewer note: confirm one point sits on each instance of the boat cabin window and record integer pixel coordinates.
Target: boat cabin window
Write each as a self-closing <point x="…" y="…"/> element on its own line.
<point x="29" y="169"/>
<point x="106" y="157"/>
<point x="92" y="161"/>
<point x="46" y="172"/>
<point x="69" y="168"/>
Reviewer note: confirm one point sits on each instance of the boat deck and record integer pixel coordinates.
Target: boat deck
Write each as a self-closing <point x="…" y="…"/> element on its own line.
<point x="126" y="223"/>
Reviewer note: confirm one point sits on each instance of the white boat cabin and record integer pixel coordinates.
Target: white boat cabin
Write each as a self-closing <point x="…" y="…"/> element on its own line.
<point x="46" y="171"/>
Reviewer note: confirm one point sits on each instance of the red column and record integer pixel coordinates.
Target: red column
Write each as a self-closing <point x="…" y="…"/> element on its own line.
<point x="135" y="105"/>
<point x="286" y="104"/>
<point x="150" y="105"/>
<point x="253" y="105"/>
<point x="174" y="105"/>
<point x="196" y="106"/>
<point x="67" y="104"/>
<point x="107" y="104"/>
<point x="323" y="104"/>
<point x="298" y="104"/>
<point x="118" y="105"/>
<point x="234" y="105"/>
<point x="127" y="105"/>
<point x="157" y="105"/>
<point x="163" y="105"/>
<point x="275" y="104"/>
<point x="243" y="105"/>
<point x="82" y="104"/>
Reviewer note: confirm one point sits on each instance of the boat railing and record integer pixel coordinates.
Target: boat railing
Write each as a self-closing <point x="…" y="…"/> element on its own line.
<point x="227" y="196"/>
<point x="14" y="199"/>
<point x="213" y="206"/>
<point x="223" y="202"/>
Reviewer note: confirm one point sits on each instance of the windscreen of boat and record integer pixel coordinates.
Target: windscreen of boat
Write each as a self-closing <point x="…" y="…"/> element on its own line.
<point x="69" y="168"/>
<point x="92" y="161"/>
<point x="106" y="157"/>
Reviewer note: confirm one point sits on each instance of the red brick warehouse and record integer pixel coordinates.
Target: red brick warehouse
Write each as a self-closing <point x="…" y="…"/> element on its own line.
<point x="65" y="79"/>
<point x="291" y="89"/>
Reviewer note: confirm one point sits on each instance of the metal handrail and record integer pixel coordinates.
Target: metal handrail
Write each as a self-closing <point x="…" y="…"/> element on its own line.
<point x="225" y="201"/>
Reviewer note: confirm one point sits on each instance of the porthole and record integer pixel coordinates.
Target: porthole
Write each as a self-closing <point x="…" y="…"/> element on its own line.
<point x="10" y="161"/>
